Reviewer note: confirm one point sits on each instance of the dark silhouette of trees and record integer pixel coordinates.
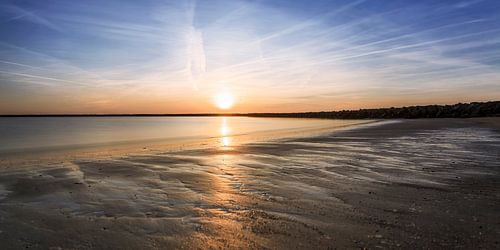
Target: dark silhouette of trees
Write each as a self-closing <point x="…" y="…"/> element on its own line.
<point x="460" y="110"/>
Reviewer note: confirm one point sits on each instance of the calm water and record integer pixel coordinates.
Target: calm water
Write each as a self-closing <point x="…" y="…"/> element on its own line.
<point x="17" y="133"/>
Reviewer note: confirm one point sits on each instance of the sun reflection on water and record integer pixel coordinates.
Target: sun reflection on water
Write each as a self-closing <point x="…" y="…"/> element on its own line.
<point x="226" y="141"/>
<point x="224" y="132"/>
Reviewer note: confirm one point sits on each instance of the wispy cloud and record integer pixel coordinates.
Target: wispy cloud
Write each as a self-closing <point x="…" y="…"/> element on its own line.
<point x="196" y="59"/>
<point x="20" y="14"/>
<point x="465" y="4"/>
<point x="343" y="54"/>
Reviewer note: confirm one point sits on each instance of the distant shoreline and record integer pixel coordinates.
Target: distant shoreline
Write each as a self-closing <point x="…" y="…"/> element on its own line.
<point x="459" y="110"/>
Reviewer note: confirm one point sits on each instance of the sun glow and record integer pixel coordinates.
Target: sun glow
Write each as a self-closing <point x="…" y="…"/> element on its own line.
<point x="224" y="100"/>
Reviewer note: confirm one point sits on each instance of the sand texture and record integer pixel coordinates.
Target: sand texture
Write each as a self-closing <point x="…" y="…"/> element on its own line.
<point x="427" y="183"/>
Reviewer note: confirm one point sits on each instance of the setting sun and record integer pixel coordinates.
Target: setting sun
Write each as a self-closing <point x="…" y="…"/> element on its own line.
<point x="224" y="100"/>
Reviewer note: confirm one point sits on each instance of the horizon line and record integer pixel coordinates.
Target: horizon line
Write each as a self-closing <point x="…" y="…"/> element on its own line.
<point x="223" y="114"/>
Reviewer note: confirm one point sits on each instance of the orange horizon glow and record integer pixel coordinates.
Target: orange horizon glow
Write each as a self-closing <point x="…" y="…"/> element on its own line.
<point x="243" y="57"/>
<point x="207" y="104"/>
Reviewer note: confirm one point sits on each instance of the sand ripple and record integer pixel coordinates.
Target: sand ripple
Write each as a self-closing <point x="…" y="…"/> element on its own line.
<point x="347" y="189"/>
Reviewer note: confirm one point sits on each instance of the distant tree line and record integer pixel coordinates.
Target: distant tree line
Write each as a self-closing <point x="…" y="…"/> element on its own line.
<point x="460" y="110"/>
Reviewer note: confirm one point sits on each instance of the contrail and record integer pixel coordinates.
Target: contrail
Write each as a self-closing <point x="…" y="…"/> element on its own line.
<point x="20" y="64"/>
<point x="41" y="77"/>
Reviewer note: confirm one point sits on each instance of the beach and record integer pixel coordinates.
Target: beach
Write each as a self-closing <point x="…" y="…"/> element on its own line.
<point x="422" y="183"/>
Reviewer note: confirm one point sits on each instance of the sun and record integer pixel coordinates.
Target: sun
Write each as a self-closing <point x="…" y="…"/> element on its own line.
<point x="224" y="100"/>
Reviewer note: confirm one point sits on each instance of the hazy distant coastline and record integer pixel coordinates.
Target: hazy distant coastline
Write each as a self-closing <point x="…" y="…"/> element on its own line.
<point x="459" y="110"/>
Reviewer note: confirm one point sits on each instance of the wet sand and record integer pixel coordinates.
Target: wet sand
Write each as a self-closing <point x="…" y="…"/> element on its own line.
<point x="427" y="183"/>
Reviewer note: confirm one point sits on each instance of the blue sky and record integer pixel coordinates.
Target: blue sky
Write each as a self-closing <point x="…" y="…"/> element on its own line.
<point x="175" y="56"/>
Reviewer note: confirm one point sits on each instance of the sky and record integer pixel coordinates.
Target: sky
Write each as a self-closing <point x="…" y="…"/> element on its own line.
<point x="159" y="56"/>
